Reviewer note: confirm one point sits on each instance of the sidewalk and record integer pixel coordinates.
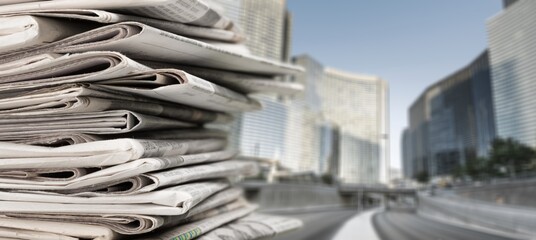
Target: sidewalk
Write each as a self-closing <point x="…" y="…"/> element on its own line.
<point x="359" y="227"/>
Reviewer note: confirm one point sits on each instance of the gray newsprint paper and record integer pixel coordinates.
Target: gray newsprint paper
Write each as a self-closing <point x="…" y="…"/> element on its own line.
<point x="254" y="226"/>
<point x="143" y="42"/>
<point x="23" y="32"/>
<point x="115" y="74"/>
<point x="149" y="181"/>
<point x="240" y="82"/>
<point x="193" y="12"/>
<point x="28" y="229"/>
<point x="78" y="178"/>
<point x="84" y="97"/>
<point x="176" y="200"/>
<point x="53" y="69"/>
<point x="198" y="228"/>
<point x="71" y="138"/>
<point x="128" y="224"/>
<point x="105" y="122"/>
<point x="100" y="153"/>
<point x="184" y="88"/>
<point x="216" y="201"/>
<point x="42" y="20"/>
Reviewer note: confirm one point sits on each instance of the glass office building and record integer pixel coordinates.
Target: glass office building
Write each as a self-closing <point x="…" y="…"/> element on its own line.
<point x="451" y="123"/>
<point x="266" y="24"/>
<point x="512" y="39"/>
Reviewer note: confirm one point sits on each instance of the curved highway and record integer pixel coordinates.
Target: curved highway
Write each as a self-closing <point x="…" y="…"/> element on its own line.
<point x="408" y="226"/>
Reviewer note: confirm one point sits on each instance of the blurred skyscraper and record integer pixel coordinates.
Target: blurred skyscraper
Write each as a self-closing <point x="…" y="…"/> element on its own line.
<point x="265" y="23"/>
<point x="351" y="112"/>
<point x="512" y="39"/>
<point x="347" y="135"/>
<point x="358" y="105"/>
<point x="451" y="123"/>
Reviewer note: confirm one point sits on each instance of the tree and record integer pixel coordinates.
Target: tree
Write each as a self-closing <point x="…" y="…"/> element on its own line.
<point x="422" y="177"/>
<point x="508" y="156"/>
<point x="476" y="168"/>
<point x="328" y="179"/>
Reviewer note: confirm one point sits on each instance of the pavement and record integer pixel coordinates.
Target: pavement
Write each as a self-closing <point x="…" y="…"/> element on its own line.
<point x="359" y="227"/>
<point x="319" y="225"/>
<point x="391" y="225"/>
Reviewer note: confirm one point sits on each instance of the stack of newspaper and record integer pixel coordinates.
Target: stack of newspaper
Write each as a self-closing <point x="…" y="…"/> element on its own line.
<point x="107" y="111"/>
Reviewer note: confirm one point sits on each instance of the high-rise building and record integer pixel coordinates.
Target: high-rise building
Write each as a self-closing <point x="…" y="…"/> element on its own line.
<point x="304" y="118"/>
<point x="406" y="153"/>
<point x="350" y="112"/>
<point x="513" y="61"/>
<point x="329" y="149"/>
<point x="357" y="104"/>
<point x="451" y="123"/>
<point x="292" y="129"/>
<point x="507" y="3"/>
<point x="265" y="23"/>
<point x="263" y="133"/>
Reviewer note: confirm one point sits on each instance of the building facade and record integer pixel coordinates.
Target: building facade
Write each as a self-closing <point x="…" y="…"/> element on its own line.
<point x="349" y="112"/>
<point x="357" y="104"/>
<point x="451" y="123"/>
<point x="303" y="153"/>
<point x="263" y="133"/>
<point x="294" y="130"/>
<point x="406" y="153"/>
<point x="513" y="58"/>
<point x="265" y="23"/>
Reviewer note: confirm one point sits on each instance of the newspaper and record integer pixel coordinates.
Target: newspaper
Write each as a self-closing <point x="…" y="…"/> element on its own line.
<point x="254" y="226"/>
<point x="67" y="68"/>
<point x="22" y="32"/>
<point x="105" y="17"/>
<point x="125" y="224"/>
<point x="215" y="201"/>
<point x="175" y="200"/>
<point x="63" y="139"/>
<point x="142" y="42"/>
<point x="240" y="82"/>
<point x="151" y="181"/>
<point x="64" y="230"/>
<point x="78" y="178"/>
<point x="239" y="203"/>
<point x="113" y="72"/>
<point x="18" y="234"/>
<point x="130" y="224"/>
<point x="79" y="98"/>
<point x="105" y="122"/>
<point x="182" y="196"/>
<point x="198" y="228"/>
<point x="6" y="2"/>
<point x="100" y="153"/>
<point x="181" y="87"/>
<point x="193" y="12"/>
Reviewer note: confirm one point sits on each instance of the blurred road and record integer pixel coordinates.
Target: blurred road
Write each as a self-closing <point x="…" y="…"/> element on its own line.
<point x="322" y="225"/>
<point x="408" y="226"/>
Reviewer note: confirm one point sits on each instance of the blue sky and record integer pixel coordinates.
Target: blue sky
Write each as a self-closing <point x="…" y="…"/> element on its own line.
<point x="410" y="43"/>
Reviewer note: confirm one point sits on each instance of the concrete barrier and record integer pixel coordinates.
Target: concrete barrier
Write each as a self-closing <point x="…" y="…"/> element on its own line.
<point x="281" y="196"/>
<point x="520" y="220"/>
<point x="519" y="193"/>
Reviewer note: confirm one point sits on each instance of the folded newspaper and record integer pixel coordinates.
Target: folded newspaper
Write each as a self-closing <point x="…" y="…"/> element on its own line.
<point x="71" y="138"/>
<point x="109" y="118"/>
<point x="143" y="42"/>
<point x="43" y="20"/>
<point x="193" y="12"/>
